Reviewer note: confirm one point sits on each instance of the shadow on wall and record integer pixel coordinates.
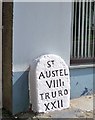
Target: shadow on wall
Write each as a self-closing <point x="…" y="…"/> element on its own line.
<point x="20" y="92"/>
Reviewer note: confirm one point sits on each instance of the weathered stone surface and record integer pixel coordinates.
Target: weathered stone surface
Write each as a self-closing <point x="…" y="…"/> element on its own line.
<point x="52" y="84"/>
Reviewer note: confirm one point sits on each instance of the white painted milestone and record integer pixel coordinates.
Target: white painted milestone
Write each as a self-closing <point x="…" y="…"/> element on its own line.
<point x="50" y="84"/>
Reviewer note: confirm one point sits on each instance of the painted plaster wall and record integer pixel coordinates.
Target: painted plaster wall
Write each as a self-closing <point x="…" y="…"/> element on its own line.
<point x="20" y="92"/>
<point x="0" y="54"/>
<point x="38" y="28"/>
<point x="41" y="28"/>
<point x="82" y="81"/>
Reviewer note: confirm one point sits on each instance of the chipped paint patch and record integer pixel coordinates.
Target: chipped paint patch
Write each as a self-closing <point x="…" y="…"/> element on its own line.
<point x="84" y="92"/>
<point x="77" y="83"/>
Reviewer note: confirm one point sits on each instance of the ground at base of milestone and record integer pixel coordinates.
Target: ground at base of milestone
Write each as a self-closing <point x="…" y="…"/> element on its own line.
<point x="82" y="107"/>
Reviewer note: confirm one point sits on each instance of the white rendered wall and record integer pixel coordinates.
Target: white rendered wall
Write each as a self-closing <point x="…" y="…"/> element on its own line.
<point x="41" y="28"/>
<point x="0" y="54"/>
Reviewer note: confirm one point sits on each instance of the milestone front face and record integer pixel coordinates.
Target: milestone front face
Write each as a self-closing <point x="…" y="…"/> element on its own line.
<point x="53" y="84"/>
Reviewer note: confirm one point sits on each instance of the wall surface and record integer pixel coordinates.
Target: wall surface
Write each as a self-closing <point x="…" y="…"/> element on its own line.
<point x="0" y="54"/>
<point x="20" y="92"/>
<point x="41" y="28"/>
<point x="82" y="81"/>
<point x="38" y="28"/>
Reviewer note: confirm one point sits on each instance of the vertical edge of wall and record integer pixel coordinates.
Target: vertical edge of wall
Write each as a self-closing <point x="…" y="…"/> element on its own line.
<point x="7" y="21"/>
<point x="0" y="54"/>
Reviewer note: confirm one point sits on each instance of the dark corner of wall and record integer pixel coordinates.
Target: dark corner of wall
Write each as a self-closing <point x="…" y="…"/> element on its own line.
<point x="7" y="22"/>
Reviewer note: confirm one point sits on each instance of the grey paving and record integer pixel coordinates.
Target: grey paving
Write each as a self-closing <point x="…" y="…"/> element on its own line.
<point x="79" y="108"/>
